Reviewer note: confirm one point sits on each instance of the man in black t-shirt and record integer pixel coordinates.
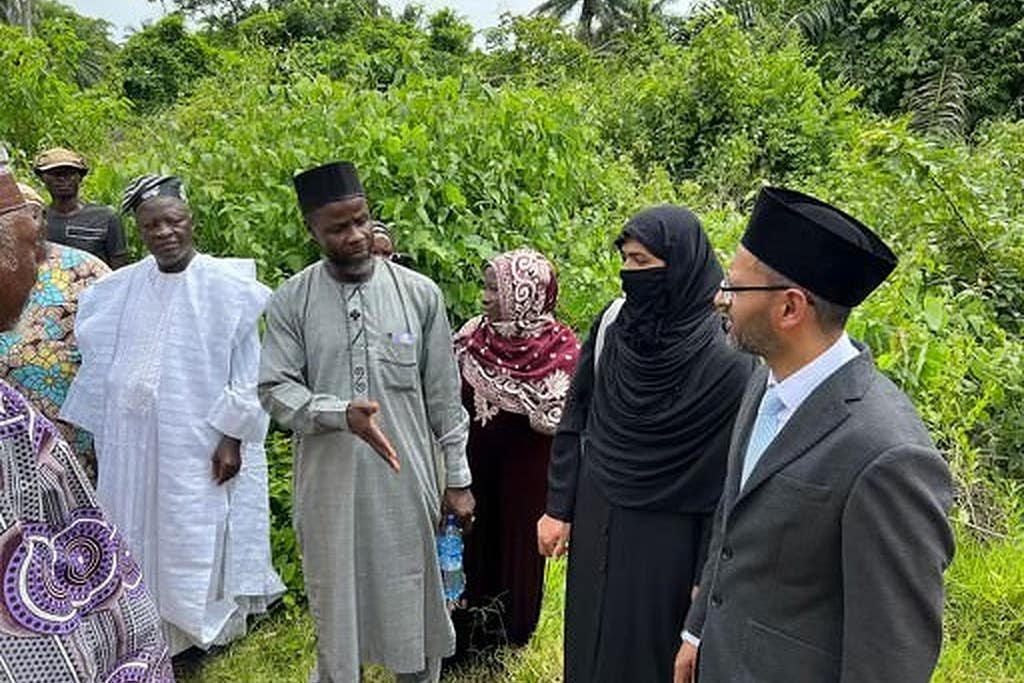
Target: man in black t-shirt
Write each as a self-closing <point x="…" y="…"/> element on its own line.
<point x="89" y="226"/>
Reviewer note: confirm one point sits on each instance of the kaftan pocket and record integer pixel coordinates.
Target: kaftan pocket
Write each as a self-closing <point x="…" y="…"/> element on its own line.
<point x="398" y="367"/>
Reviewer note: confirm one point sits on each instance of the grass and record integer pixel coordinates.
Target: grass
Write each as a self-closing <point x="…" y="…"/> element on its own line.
<point x="280" y="649"/>
<point x="984" y="632"/>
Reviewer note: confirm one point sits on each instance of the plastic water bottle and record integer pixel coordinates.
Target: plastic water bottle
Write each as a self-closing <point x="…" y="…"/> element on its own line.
<point x="449" y="556"/>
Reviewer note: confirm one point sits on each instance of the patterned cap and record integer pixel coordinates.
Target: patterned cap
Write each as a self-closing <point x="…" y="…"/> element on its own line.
<point x="148" y="186"/>
<point x="59" y="157"/>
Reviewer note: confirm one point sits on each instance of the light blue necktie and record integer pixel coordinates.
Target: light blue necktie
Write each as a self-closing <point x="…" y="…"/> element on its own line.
<point x="765" y="427"/>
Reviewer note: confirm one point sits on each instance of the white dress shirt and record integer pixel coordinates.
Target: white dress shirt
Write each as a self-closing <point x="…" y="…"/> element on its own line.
<point x="795" y="389"/>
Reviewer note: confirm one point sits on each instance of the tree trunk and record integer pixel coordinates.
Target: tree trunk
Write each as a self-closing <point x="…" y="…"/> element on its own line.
<point x="19" y="13"/>
<point x="588" y="11"/>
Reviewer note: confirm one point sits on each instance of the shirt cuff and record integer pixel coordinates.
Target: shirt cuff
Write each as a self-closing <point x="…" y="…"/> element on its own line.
<point x="328" y="412"/>
<point x="235" y="416"/>
<point x="691" y="639"/>
<point x="456" y="467"/>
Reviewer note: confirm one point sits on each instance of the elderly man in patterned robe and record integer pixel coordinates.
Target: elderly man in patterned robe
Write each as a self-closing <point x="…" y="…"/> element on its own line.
<point x="351" y="339"/>
<point x="74" y="607"/>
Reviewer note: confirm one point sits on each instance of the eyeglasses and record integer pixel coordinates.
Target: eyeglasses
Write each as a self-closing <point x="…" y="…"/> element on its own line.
<point x="728" y="289"/>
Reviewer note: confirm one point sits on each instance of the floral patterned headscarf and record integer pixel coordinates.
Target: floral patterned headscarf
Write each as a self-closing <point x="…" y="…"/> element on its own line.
<point x="524" y="362"/>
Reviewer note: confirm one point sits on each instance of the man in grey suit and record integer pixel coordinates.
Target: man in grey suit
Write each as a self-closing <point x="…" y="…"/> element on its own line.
<point x="831" y="536"/>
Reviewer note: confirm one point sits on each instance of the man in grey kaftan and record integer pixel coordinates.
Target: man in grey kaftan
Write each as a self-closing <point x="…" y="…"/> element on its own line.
<point x="367" y="532"/>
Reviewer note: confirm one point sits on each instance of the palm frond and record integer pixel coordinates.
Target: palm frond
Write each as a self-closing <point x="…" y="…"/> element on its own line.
<point x="939" y="103"/>
<point x="817" y="20"/>
<point x="556" y="8"/>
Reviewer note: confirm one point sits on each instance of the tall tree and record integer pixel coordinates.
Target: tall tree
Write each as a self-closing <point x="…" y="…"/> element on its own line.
<point x="600" y="18"/>
<point x="216" y="12"/>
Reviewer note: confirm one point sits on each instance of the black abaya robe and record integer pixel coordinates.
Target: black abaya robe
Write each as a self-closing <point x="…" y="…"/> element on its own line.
<point x="628" y="588"/>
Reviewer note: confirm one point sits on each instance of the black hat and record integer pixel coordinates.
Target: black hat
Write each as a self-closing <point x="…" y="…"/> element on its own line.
<point x="325" y="184"/>
<point x="817" y="246"/>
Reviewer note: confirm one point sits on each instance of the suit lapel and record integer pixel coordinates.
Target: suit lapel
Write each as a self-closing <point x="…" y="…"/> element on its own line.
<point x="819" y="415"/>
<point x="745" y="417"/>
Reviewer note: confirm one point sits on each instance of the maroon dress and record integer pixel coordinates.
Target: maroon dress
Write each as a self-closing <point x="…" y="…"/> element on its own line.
<point x="504" y="571"/>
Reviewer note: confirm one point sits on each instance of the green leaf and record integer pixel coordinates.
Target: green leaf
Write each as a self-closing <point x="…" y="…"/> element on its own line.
<point x="934" y="313"/>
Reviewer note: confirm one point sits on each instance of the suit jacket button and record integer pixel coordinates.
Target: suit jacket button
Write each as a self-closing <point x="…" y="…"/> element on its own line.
<point x="716" y="600"/>
<point x="726" y="554"/>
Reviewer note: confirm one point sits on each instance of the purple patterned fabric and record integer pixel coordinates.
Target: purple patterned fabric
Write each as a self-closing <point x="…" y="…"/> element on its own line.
<point x="142" y="669"/>
<point x="53" y="578"/>
<point x="65" y="574"/>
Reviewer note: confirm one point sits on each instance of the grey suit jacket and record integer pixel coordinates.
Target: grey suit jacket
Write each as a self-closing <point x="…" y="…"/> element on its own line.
<point x="827" y="567"/>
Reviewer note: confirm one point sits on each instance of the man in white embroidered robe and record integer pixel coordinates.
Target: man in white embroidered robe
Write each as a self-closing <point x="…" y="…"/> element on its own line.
<point x="347" y="337"/>
<point x="170" y="356"/>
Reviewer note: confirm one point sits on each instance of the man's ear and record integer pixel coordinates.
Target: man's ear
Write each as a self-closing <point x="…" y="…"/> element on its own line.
<point x="795" y="309"/>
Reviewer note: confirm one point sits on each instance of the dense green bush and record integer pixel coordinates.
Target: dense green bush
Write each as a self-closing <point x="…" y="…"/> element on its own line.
<point x="162" y="62"/>
<point x="41" y="102"/>
<point x="726" y="110"/>
<point x="953" y="62"/>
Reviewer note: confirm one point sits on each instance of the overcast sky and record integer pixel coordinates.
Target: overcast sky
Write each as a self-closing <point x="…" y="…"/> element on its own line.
<point x="129" y="14"/>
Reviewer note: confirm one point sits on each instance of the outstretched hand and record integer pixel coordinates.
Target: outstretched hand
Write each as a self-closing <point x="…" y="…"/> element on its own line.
<point x="362" y="421"/>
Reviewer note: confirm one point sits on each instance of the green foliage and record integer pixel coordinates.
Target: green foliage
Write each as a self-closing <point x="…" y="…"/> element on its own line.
<point x="984" y="622"/>
<point x="290" y="21"/>
<point x="41" y="104"/>
<point x="217" y="13"/>
<point x="727" y="109"/>
<point x="461" y="170"/>
<point x="908" y="55"/>
<point x="94" y="58"/>
<point x="283" y="542"/>
<point x="537" y="49"/>
<point x="450" y="33"/>
<point x="600" y="20"/>
<point x="162" y="62"/>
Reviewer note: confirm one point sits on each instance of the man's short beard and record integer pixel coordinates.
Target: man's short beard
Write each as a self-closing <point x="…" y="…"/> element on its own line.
<point x="358" y="268"/>
<point x="754" y="339"/>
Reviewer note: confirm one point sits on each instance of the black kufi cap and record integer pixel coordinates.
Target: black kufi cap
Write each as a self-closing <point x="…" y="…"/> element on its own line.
<point x="817" y="246"/>
<point x="325" y="184"/>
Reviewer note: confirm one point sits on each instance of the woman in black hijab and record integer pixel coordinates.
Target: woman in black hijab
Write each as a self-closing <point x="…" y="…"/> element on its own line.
<point x="639" y="458"/>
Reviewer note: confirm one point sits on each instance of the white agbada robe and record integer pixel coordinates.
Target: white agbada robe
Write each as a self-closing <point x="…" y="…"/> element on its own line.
<point x="169" y="365"/>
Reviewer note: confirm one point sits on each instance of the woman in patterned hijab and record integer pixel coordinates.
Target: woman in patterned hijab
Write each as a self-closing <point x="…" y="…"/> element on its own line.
<point x="517" y="363"/>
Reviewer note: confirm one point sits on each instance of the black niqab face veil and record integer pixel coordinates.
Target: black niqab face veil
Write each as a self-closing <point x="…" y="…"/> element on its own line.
<point x="668" y="384"/>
